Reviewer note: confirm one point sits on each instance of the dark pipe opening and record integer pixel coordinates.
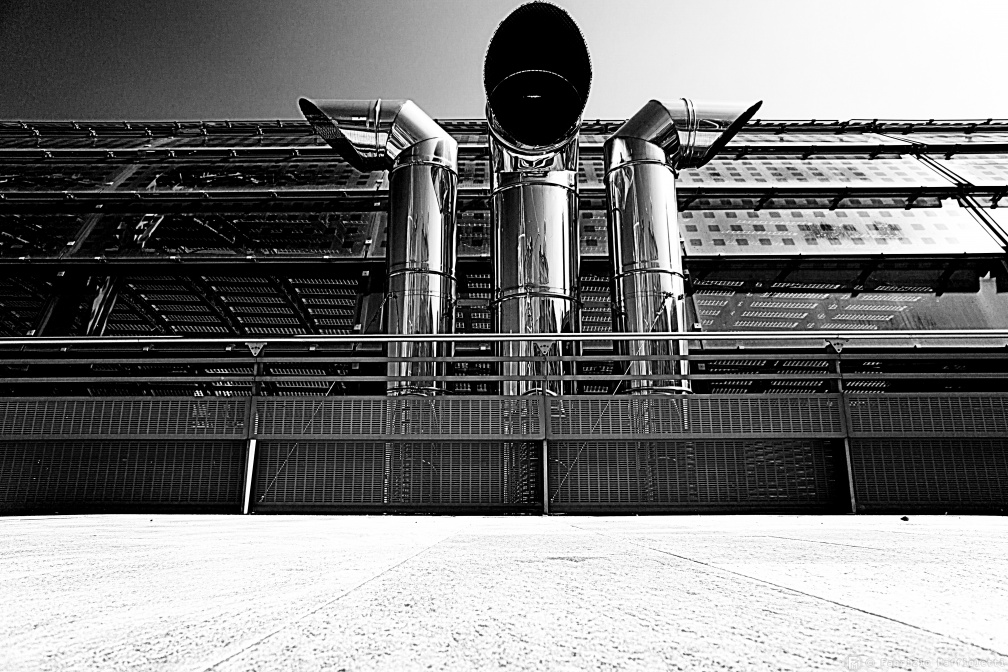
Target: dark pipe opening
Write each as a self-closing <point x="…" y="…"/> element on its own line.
<point x="537" y="74"/>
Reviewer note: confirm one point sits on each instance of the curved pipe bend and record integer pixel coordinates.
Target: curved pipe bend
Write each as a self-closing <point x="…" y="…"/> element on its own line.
<point x="688" y="134"/>
<point x="381" y="134"/>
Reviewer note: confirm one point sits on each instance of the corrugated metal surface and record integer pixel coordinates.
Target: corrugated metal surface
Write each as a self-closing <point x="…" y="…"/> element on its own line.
<point x="932" y="475"/>
<point x="69" y="476"/>
<point x="729" y="475"/>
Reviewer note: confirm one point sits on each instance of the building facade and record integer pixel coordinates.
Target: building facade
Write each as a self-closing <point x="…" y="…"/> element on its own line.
<point x="194" y="316"/>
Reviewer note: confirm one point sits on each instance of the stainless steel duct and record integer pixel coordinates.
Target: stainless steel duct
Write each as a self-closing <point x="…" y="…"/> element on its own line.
<point x="641" y="160"/>
<point x="423" y="181"/>
<point x="537" y="75"/>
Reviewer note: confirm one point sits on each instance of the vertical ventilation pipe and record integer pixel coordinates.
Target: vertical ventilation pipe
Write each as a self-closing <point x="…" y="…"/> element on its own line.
<point x="641" y="161"/>
<point x="537" y="75"/>
<point x="423" y="181"/>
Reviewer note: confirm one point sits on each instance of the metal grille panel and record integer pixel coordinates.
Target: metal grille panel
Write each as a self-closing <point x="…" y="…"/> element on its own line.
<point x="407" y="416"/>
<point x="937" y="475"/>
<point x="954" y="414"/>
<point x="446" y="473"/>
<point x="320" y="475"/>
<point x="123" y="417"/>
<point x="119" y="475"/>
<point x="705" y="415"/>
<point x="307" y="473"/>
<point x="730" y="475"/>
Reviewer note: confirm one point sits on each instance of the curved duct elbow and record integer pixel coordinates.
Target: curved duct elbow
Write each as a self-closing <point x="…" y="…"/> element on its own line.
<point x="689" y="134"/>
<point x="378" y="134"/>
<point x="537" y="74"/>
<point x="704" y="128"/>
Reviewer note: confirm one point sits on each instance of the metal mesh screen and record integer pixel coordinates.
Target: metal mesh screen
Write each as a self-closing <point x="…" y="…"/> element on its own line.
<point x="328" y="475"/>
<point x="694" y="475"/>
<point x="803" y="415"/>
<point x="444" y="473"/>
<point x="119" y="475"/>
<point x="902" y="414"/>
<point x="935" y="475"/>
<point x="312" y="473"/>
<point x="121" y="418"/>
<point x="405" y="416"/>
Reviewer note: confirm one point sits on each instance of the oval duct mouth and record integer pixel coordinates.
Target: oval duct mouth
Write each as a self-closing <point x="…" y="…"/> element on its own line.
<point x="537" y="74"/>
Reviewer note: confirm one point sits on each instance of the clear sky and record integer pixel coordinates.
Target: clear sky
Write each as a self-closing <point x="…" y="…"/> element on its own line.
<point x="223" y="59"/>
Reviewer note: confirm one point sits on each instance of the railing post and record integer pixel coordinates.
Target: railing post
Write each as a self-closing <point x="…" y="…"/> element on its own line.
<point x="845" y="425"/>
<point x="248" y="475"/>
<point x="250" y="450"/>
<point x="544" y="414"/>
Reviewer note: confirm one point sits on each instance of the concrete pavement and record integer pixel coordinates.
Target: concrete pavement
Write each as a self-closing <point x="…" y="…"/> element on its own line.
<point x="236" y="593"/>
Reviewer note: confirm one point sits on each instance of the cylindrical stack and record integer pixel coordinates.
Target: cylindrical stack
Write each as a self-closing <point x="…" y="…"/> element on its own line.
<point x="647" y="267"/>
<point x="644" y="247"/>
<point x="422" y="160"/>
<point x="421" y="266"/>
<point x="535" y="97"/>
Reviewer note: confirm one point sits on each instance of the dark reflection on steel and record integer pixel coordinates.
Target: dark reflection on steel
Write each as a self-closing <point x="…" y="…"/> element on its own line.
<point x="644" y="245"/>
<point x="535" y="98"/>
<point x="423" y="182"/>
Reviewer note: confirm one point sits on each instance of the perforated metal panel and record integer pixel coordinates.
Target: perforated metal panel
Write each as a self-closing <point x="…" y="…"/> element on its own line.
<point x="907" y="414"/>
<point x="447" y="473"/>
<point x="311" y="475"/>
<point x="892" y="310"/>
<point x="946" y="230"/>
<point x="69" y="476"/>
<point x="702" y="415"/>
<point x="931" y="475"/>
<point x="988" y="170"/>
<point x="318" y="473"/>
<point x="779" y="414"/>
<point x="835" y="172"/>
<point x="404" y="416"/>
<point x="764" y="139"/>
<point x="735" y="475"/>
<point x="123" y="417"/>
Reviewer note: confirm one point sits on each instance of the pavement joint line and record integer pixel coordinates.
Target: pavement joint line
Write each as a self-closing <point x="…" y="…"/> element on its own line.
<point x="816" y="541"/>
<point x="799" y="592"/>
<point x="290" y="622"/>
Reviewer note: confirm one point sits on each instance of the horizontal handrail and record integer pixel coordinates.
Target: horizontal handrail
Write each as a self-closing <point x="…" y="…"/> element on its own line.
<point x="825" y="337"/>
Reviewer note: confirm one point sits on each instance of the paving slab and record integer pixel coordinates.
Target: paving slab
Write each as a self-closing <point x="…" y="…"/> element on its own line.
<point x="245" y="593"/>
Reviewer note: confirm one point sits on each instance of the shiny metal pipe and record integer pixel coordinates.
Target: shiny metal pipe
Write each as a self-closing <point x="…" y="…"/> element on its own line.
<point x="647" y="265"/>
<point x="423" y="183"/>
<point x="535" y="265"/>
<point x="421" y="272"/>
<point x="535" y="97"/>
<point x="644" y="245"/>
